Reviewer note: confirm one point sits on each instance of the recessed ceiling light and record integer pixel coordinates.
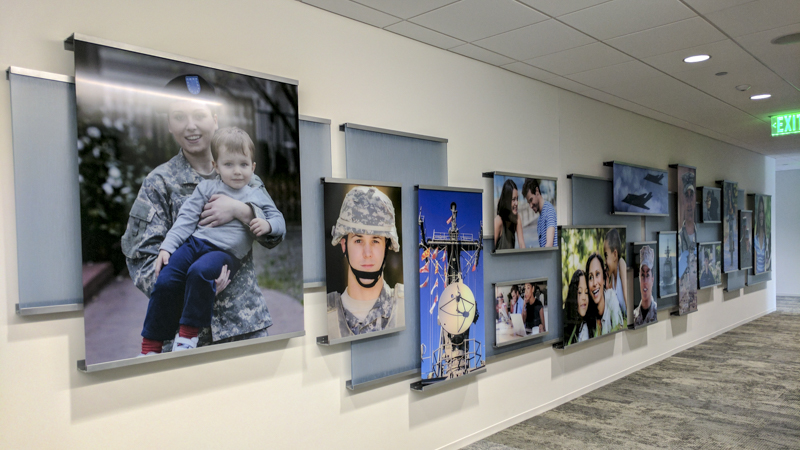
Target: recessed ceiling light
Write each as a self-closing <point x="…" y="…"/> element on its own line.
<point x="696" y="58"/>
<point x="787" y="39"/>
<point x="719" y="74"/>
<point x="742" y="87"/>
<point x="760" y="96"/>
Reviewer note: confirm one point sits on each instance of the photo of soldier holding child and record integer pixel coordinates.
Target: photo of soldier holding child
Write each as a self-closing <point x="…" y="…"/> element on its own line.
<point x="190" y="204"/>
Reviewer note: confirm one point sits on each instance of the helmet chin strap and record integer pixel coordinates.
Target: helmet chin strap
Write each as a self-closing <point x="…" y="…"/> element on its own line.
<point x="359" y="274"/>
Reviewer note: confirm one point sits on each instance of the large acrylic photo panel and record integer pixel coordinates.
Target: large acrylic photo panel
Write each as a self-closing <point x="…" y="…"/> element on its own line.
<point x="710" y="204"/>
<point x="667" y="264"/>
<point x="363" y="259"/>
<point x="640" y="190"/>
<point x="450" y="247"/>
<point x="687" y="276"/>
<point x="745" y="239"/>
<point x="520" y="311"/>
<point x="593" y="280"/>
<point x="645" y="276"/>
<point x="524" y="212"/>
<point x="710" y="271"/>
<point x="762" y="233"/>
<point x="730" y="226"/>
<point x="687" y="205"/>
<point x="145" y="126"/>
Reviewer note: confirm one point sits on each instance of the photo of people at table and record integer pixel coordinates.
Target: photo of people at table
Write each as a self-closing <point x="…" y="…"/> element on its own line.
<point x="525" y="212"/>
<point x="594" y="280"/>
<point x="521" y="310"/>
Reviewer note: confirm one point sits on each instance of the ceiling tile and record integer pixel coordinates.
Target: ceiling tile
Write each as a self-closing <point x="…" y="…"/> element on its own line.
<point x="529" y="71"/>
<point x="709" y="6"/>
<point x="535" y="40"/>
<point x="567" y="84"/>
<point x="470" y="20"/>
<point x="725" y="56"/>
<point x="557" y="8"/>
<point x="406" y="8"/>
<point x="757" y="16"/>
<point x="580" y="59"/>
<point x="667" y="38"/>
<point x="355" y="11"/>
<point x="783" y="59"/>
<point x="481" y="54"/>
<point x="423" y="34"/>
<point x="621" y="17"/>
<point x="627" y="80"/>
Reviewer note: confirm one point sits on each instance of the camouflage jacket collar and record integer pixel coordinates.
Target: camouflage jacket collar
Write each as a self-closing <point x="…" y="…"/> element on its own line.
<point x="382" y="309"/>
<point x="185" y="173"/>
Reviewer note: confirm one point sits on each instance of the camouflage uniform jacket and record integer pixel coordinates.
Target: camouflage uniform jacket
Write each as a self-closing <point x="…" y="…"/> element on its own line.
<point x="387" y="312"/>
<point x="241" y="307"/>
<point x="652" y="314"/>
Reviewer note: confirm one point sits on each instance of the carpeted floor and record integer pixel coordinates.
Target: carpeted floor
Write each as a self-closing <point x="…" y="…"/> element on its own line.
<point x="738" y="390"/>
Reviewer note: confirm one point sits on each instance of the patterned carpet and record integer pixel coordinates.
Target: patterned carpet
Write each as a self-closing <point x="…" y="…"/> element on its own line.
<point x="738" y="390"/>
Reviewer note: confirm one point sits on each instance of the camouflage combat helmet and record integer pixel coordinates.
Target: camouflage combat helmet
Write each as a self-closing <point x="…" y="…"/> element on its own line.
<point x="366" y="210"/>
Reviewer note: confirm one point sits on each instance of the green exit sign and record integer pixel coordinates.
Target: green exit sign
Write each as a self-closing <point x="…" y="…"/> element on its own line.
<point x="785" y="124"/>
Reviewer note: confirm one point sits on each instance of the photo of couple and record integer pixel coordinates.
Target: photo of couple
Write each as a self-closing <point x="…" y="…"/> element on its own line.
<point x="182" y="169"/>
<point x="594" y="280"/>
<point x="525" y="212"/>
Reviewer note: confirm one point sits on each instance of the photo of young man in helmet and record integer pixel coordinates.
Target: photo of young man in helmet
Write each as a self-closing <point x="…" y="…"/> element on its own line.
<point x="365" y="249"/>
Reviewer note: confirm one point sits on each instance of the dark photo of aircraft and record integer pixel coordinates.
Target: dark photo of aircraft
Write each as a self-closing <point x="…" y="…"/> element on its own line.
<point x="654" y="178"/>
<point x="638" y="201"/>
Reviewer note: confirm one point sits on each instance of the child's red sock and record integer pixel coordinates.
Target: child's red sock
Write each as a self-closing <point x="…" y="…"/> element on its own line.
<point x="149" y="345"/>
<point x="185" y="331"/>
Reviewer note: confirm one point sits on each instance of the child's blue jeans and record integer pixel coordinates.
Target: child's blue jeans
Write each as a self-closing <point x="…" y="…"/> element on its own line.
<point x="185" y="289"/>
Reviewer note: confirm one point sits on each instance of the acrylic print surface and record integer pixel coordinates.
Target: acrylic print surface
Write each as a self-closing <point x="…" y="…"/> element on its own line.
<point x="710" y="202"/>
<point x="687" y="241"/>
<point x="745" y="239"/>
<point x="667" y="264"/>
<point x="645" y="273"/>
<point x="525" y="212"/>
<point x="363" y="259"/>
<point x="762" y="232"/>
<point x="521" y="310"/>
<point x="640" y="190"/>
<point x="710" y="273"/>
<point x="451" y="284"/>
<point x="730" y="226"/>
<point x="594" y="282"/>
<point x="163" y="212"/>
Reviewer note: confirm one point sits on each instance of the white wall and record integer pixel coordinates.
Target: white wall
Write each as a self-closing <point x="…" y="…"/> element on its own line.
<point x="292" y="394"/>
<point x="787" y="222"/>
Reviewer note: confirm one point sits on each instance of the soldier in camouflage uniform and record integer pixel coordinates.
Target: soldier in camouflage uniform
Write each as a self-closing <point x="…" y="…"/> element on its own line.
<point x="687" y="233"/>
<point x="365" y="231"/>
<point x="647" y="311"/>
<point x="240" y="310"/>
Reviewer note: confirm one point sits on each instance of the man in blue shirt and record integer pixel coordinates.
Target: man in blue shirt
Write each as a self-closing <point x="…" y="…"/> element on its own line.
<point x="547" y="227"/>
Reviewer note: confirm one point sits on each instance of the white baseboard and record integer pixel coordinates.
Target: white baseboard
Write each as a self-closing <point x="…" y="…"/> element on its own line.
<point x="490" y="430"/>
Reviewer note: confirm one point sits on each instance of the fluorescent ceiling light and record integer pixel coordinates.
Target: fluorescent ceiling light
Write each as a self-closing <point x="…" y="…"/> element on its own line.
<point x="760" y="96"/>
<point x="696" y="58"/>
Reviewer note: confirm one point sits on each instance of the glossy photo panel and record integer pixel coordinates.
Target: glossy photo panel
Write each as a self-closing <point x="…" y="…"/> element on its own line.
<point x="762" y="232"/>
<point x="730" y="226"/>
<point x="645" y="276"/>
<point x="521" y="310"/>
<point x="710" y="203"/>
<point x="450" y="252"/>
<point x="667" y="264"/>
<point x="745" y="239"/>
<point x="190" y="204"/>
<point x="524" y="213"/>
<point x="594" y="282"/>
<point x="363" y="260"/>
<point x="710" y="272"/>
<point x="687" y="241"/>
<point x="640" y="190"/>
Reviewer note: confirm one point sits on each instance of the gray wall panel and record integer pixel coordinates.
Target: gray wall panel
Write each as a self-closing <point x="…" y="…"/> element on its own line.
<point x="409" y="161"/>
<point x="315" y="163"/>
<point x="44" y="135"/>
<point x="591" y="205"/>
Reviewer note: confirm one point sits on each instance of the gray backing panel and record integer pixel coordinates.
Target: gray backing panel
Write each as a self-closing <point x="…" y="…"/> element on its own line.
<point x="760" y="278"/>
<point x="652" y="225"/>
<point x="44" y="135"/>
<point x="736" y="280"/>
<point x="521" y="266"/>
<point x="409" y="161"/>
<point x="315" y="163"/>
<point x="591" y="205"/>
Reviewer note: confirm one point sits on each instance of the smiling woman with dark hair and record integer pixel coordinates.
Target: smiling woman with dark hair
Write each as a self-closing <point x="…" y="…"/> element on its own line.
<point x="605" y="299"/>
<point x="507" y="223"/>
<point x="581" y="314"/>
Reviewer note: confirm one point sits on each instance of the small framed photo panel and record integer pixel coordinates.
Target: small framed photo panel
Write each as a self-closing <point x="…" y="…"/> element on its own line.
<point x="525" y="216"/>
<point x="730" y="226"/>
<point x="590" y="256"/>
<point x="762" y="233"/>
<point x="363" y="259"/>
<point x="745" y="239"/>
<point x="667" y="264"/>
<point x="710" y="204"/>
<point x="710" y="273"/>
<point x="645" y="274"/>
<point x="521" y="310"/>
<point x="639" y="190"/>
